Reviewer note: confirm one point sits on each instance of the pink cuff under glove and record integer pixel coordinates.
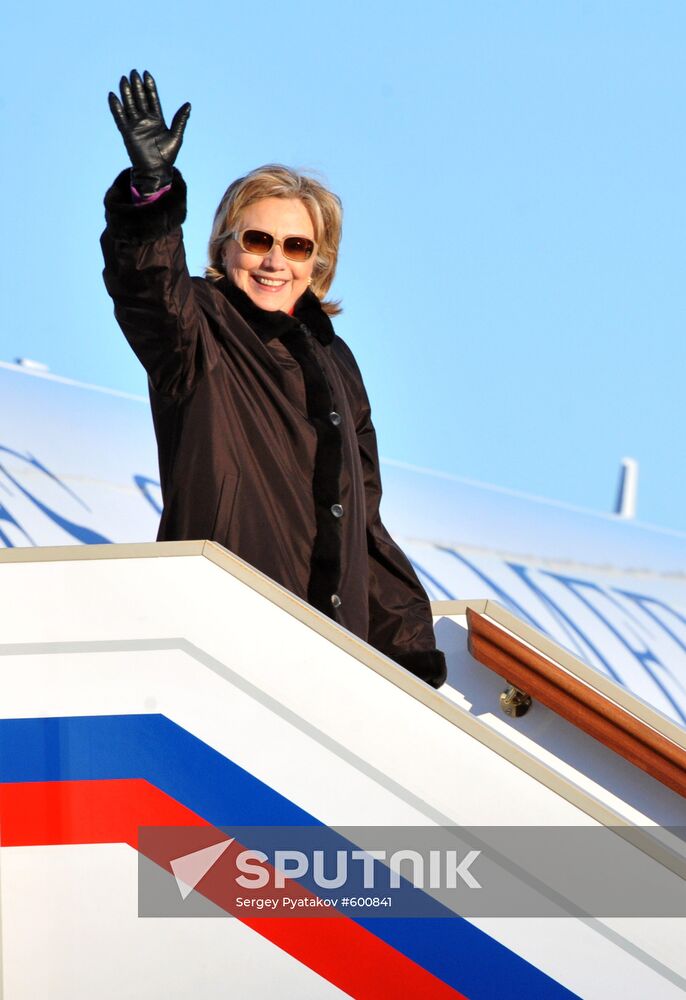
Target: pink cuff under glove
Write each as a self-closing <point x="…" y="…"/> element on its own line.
<point x="147" y="199"/>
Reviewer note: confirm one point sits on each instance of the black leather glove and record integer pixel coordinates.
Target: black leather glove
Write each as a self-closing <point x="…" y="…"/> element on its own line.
<point x="152" y="147"/>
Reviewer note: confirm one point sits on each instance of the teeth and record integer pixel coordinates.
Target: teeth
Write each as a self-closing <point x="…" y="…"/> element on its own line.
<point x="268" y="281"/>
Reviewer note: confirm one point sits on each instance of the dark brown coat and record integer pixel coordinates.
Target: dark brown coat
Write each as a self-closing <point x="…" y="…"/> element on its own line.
<point x="264" y="433"/>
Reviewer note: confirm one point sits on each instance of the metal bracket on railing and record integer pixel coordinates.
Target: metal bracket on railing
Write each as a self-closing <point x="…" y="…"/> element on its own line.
<point x="515" y="702"/>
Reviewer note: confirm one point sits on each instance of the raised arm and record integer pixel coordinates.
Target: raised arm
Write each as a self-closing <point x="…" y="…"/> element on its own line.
<point x="145" y="263"/>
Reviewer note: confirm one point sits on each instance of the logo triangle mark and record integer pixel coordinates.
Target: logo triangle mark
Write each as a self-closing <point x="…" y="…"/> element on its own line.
<point x="189" y="869"/>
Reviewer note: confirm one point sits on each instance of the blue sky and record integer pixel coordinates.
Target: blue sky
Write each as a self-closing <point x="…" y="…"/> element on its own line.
<point x="515" y="205"/>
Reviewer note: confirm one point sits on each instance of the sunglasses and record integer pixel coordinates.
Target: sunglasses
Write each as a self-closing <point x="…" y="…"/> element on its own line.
<point x="256" y="241"/>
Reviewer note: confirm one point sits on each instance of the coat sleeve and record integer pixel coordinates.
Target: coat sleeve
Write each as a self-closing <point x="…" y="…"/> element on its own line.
<point x="400" y="619"/>
<point x="154" y="299"/>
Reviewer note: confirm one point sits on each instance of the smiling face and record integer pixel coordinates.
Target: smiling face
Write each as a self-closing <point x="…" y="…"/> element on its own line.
<point x="272" y="282"/>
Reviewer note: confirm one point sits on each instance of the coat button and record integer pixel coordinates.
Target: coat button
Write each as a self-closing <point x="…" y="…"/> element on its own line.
<point x="337" y="510"/>
<point x="335" y="418"/>
<point x="336" y="601"/>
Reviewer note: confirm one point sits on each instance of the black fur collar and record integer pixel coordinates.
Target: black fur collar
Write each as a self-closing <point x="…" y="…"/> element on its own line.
<point x="267" y="325"/>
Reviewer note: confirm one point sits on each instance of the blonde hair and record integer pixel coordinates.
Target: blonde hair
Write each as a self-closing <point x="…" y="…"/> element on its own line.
<point x="276" y="181"/>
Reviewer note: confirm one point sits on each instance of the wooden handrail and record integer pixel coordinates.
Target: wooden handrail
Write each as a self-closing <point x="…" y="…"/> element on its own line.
<point x="577" y="702"/>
